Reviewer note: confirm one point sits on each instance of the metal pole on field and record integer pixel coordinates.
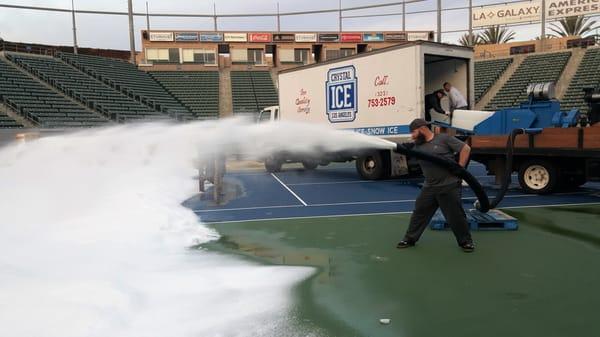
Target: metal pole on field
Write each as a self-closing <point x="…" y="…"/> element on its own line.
<point x="340" y="16"/>
<point x="215" y="17"/>
<point x="74" y="26"/>
<point x="439" y="21"/>
<point x="131" y="37"/>
<point x="543" y="37"/>
<point x="278" y="19"/>
<point x="471" y="40"/>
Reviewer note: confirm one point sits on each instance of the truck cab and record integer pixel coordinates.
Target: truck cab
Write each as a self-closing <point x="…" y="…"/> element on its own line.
<point x="269" y="114"/>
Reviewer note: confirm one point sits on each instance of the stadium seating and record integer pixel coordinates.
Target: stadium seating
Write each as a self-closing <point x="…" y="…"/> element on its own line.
<point x="40" y="104"/>
<point x="127" y="78"/>
<point x="535" y="68"/>
<point x="196" y="90"/>
<point x="252" y="91"/>
<point x="587" y="75"/>
<point x="93" y="93"/>
<point x="487" y="73"/>
<point x="6" y="122"/>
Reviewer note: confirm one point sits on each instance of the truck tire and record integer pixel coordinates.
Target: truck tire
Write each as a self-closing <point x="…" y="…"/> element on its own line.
<point x="374" y="166"/>
<point x="538" y="176"/>
<point x="273" y="164"/>
<point x="310" y="165"/>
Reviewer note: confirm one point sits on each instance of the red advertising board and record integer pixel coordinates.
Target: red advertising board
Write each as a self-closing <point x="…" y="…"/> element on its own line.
<point x="260" y="37"/>
<point x="351" y="37"/>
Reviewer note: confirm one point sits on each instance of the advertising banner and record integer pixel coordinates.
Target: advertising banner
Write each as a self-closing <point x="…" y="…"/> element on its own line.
<point x="186" y="36"/>
<point x="508" y="13"/>
<point x="373" y="37"/>
<point x="561" y="8"/>
<point x="306" y="37"/>
<point x="161" y="36"/>
<point x="236" y="37"/>
<point x="329" y="37"/>
<point x="211" y="37"/>
<point x="284" y="38"/>
<point x="395" y="36"/>
<point x="351" y="37"/>
<point x="259" y="37"/>
<point x="417" y="36"/>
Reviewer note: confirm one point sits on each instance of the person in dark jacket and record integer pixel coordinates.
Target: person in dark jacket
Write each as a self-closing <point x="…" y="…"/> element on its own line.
<point x="432" y="104"/>
<point x="441" y="189"/>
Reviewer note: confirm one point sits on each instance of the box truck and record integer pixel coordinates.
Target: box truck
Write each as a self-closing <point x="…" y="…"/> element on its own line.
<point x="376" y="93"/>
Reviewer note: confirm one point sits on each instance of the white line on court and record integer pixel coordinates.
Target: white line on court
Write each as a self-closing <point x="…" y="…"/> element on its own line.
<point x="366" y="203"/>
<point x="372" y="181"/>
<point x="388" y="213"/>
<point x="289" y="189"/>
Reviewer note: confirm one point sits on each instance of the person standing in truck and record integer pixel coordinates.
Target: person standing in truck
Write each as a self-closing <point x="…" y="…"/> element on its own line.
<point x="433" y="107"/>
<point x="441" y="189"/>
<point x="457" y="100"/>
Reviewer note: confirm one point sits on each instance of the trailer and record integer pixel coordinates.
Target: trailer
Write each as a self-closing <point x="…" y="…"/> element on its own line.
<point x="376" y="93"/>
<point x="555" y="149"/>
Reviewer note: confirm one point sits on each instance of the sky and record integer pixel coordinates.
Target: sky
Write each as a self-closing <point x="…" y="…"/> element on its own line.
<point x="108" y="31"/>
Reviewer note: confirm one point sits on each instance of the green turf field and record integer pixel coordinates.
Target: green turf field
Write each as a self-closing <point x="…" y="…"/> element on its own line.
<point x="542" y="280"/>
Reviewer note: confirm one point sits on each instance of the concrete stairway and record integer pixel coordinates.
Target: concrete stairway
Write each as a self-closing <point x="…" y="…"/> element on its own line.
<point x="16" y="116"/>
<point x="570" y="69"/>
<point x="225" y="100"/>
<point x="487" y="97"/>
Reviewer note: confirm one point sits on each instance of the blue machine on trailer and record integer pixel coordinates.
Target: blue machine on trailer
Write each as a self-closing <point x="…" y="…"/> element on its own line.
<point x="534" y="114"/>
<point x="541" y="110"/>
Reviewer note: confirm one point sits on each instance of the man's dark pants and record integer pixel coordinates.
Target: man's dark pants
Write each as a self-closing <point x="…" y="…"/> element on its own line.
<point x="448" y="199"/>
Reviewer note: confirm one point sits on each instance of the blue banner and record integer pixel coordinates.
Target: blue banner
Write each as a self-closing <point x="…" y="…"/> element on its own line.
<point x="211" y="37"/>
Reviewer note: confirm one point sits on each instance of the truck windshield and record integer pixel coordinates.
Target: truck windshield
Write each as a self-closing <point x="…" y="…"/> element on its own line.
<point x="265" y="116"/>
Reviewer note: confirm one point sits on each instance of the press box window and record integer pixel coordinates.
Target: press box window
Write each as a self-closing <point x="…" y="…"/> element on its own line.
<point x="162" y="55"/>
<point x="255" y="56"/>
<point x="337" y="53"/>
<point x="301" y="55"/>
<point x="202" y="56"/>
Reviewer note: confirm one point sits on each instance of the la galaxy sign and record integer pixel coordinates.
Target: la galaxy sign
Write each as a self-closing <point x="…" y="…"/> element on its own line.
<point x="532" y="11"/>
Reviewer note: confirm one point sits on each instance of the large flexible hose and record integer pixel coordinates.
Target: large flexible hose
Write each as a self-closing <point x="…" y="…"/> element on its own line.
<point x="454" y="168"/>
<point x="483" y="203"/>
<point x="510" y="149"/>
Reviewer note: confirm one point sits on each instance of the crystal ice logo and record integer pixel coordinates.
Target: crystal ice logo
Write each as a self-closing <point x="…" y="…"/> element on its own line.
<point x="342" y="99"/>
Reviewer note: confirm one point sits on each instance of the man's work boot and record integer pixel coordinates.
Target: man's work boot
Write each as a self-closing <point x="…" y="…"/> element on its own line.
<point x="405" y="244"/>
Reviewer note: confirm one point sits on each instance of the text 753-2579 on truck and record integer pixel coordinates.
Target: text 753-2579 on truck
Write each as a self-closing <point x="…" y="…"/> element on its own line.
<point x="377" y="93"/>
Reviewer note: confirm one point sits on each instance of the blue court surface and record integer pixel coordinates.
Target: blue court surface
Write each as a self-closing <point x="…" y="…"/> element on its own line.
<point x="338" y="191"/>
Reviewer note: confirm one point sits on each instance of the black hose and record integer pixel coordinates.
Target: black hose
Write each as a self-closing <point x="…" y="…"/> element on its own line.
<point x="508" y="168"/>
<point x="483" y="202"/>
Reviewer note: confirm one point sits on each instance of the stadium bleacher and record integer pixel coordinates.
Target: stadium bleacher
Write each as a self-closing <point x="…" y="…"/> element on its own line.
<point x="196" y="90"/>
<point x="252" y="91"/>
<point x="535" y="68"/>
<point x="586" y="76"/>
<point x="6" y="122"/>
<point x="127" y="78"/>
<point x="487" y="73"/>
<point x="93" y="93"/>
<point x="40" y="104"/>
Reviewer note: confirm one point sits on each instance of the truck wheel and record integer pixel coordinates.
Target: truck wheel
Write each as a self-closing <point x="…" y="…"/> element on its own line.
<point x="273" y="164"/>
<point x="374" y="166"/>
<point x="538" y="176"/>
<point x="310" y="165"/>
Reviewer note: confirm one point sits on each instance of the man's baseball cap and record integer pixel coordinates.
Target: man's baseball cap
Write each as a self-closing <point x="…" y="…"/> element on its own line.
<point x="417" y="123"/>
